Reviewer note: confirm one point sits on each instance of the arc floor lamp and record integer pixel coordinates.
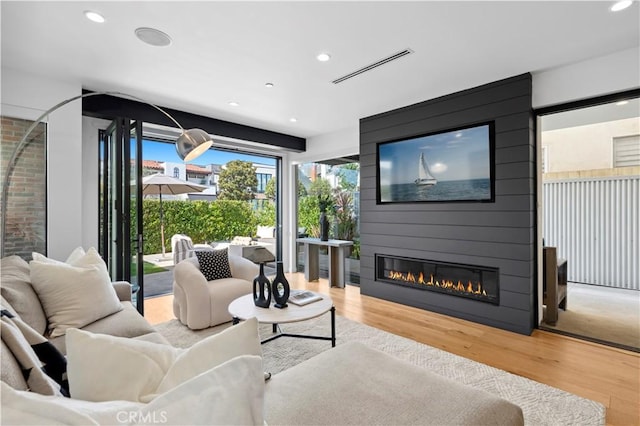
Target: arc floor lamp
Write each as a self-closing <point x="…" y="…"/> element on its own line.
<point x="189" y="145"/>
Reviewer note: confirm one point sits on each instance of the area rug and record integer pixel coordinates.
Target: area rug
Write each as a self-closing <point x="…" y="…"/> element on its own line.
<point x="541" y="404"/>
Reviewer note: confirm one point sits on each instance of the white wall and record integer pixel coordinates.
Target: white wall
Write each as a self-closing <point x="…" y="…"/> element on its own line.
<point x="72" y="195"/>
<point x="27" y="96"/>
<point x="617" y="72"/>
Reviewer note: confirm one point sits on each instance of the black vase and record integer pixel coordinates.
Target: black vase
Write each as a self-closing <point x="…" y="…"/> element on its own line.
<point x="280" y="287"/>
<point x="324" y="227"/>
<point x="261" y="289"/>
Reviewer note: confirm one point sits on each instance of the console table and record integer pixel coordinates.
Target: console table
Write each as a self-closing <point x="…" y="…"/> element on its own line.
<point x="336" y="259"/>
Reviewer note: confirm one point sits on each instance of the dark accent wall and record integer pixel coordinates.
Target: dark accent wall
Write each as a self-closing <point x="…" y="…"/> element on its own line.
<point x="500" y="234"/>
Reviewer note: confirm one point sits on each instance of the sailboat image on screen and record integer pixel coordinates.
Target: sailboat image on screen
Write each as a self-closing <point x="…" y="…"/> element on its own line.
<point x="424" y="175"/>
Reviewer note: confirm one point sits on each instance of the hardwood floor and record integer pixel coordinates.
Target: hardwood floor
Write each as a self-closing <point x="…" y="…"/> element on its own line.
<point x="608" y="375"/>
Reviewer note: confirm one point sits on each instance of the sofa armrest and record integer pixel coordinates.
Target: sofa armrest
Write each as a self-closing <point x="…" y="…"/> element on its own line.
<point x="243" y="268"/>
<point x="123" y="290"/>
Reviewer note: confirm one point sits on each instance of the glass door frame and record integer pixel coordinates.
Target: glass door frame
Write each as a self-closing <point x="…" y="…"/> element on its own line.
<point x="121" y="252"/>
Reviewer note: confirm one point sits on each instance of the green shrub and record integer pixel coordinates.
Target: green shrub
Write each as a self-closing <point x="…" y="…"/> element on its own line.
<point x="203" y="221"/>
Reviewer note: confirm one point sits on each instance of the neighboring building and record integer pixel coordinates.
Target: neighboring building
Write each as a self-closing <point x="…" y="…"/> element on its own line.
<point x="208" y="176"/>
<point x="607" y="148"/>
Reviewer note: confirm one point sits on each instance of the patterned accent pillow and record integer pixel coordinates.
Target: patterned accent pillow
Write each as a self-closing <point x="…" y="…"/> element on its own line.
<point x="214" y="264"/>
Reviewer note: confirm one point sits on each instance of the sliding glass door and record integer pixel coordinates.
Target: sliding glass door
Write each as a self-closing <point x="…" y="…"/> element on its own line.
<point x="120" y="239"/>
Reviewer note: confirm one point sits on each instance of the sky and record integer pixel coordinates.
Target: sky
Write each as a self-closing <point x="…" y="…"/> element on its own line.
<point x="456" y="155"/>
<point x="166" y="152"/>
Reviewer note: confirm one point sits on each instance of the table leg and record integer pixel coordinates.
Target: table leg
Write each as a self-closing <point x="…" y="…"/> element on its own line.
<point x="333" y="326"/>
<point x="336" y="267"/>
<point x="311" y="262"/>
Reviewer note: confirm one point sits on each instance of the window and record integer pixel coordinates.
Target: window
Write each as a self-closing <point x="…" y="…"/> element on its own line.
<point x="176" y="172"/>
<point x="263" y="178"/>
<point x="626" y="151"/>
<point x="339" y="180"/>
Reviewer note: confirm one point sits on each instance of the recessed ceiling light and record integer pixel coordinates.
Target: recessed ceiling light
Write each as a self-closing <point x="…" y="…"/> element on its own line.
<point x="94" y="16"/>
<point x="323" y="57"/>
<point x="234" y="104"/>
<point x="293" y="119"/>
<point x="153" y="37"/>
<point x="269" y="85"/>
<point x="622" y="103"/>
<point x="621" y="5"/>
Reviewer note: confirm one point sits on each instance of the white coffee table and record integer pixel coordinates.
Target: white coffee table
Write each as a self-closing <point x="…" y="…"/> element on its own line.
<point x="243" y="308"/>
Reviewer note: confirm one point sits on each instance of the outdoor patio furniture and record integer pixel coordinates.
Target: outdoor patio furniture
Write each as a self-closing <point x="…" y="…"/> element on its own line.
<point x="554" y="284"/>
<point x="182" y="247"/>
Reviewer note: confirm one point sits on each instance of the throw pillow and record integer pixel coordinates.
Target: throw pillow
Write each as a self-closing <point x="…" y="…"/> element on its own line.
<point x="214" y="264"/>
<point x="17" y="291"/>
<point x="74" y="295"/>
<point x="229" y="394"/>
<point x="77" y="254"/>
<point x="30" y="408"/>
<point x="42" y="365"/>
<point x="103" y="368"/>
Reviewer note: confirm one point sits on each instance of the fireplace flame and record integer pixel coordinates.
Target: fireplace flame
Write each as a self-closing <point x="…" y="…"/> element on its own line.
<point x="459" y="286"/>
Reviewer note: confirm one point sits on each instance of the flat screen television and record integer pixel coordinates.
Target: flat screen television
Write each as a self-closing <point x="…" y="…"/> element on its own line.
<point x="455" y="165"/>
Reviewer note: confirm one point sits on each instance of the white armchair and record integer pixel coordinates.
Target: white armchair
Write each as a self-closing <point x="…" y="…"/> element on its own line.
<point x="199" y="303"/>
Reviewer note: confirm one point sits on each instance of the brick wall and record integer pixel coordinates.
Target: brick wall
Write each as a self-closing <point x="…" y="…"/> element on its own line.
<point x="26" y="202"/>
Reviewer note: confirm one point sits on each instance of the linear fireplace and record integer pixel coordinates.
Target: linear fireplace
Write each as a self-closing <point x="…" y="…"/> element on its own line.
<point x="474" y="282"/>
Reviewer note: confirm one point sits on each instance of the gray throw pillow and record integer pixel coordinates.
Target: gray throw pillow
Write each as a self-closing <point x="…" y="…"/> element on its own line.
<point x="18" y="292"/>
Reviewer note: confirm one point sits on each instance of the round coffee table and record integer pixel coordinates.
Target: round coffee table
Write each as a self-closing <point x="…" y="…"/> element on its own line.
<point x="243" y="308"/>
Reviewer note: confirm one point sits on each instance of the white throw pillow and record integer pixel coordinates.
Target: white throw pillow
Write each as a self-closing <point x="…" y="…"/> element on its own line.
<point x="30" y="408"/>
<point x="75" y="255"/>
<point x="73" y="294"/>
<point x="229" y="394"/>
<point x="102" y="367"/>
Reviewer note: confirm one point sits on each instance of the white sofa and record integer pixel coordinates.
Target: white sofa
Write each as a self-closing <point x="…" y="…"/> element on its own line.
<point x="199" y="303"/>
<point x="349" y="384"/>
<point x="19" y="298"/>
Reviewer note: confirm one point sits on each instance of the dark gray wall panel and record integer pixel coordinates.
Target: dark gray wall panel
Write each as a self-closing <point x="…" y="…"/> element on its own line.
<point x="499" y="234"/>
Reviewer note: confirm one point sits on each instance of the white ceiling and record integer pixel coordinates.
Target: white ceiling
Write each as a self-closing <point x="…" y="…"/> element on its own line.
<point x="227" y="51"/>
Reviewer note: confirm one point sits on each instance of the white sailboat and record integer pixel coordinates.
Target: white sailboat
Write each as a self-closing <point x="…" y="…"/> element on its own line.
<point x="424" y="175"/>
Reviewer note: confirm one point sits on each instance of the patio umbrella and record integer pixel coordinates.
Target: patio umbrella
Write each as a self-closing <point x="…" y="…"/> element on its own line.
<point x="159" y="184"/>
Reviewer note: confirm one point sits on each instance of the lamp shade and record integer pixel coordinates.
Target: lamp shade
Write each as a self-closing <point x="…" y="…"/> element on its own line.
<point x="192" y="143"/>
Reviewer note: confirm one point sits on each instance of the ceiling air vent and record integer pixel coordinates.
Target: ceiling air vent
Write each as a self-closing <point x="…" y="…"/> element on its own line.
<point x="393" y="57"/>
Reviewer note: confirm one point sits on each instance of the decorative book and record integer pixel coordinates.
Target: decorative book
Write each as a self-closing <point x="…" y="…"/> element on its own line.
<point x="303" y="297"/>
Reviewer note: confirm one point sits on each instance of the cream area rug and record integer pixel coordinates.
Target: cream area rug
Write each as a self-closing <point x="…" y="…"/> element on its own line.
<point x="541" y="404"/>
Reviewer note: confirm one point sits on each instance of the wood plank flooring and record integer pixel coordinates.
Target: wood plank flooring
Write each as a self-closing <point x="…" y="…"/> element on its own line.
<point x="608" y="375"/>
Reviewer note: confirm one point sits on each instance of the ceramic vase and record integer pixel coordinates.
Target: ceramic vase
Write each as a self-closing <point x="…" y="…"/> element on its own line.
<point x="280" y="287"/>
<point x="261" y="289"/>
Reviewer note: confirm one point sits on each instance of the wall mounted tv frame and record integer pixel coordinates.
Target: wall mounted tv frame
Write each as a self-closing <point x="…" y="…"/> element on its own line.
<point x="454" y="165"/>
